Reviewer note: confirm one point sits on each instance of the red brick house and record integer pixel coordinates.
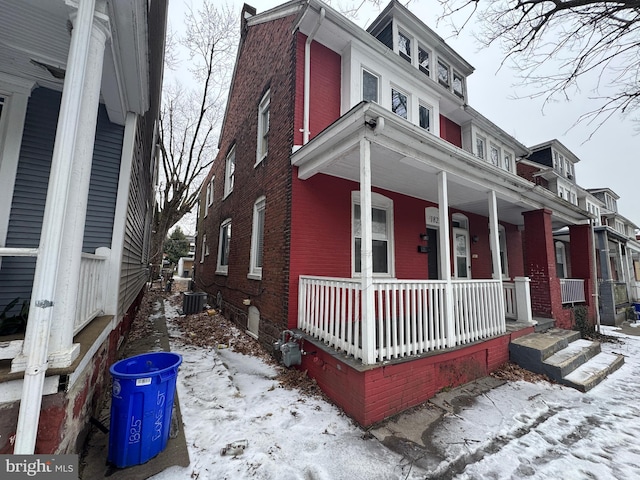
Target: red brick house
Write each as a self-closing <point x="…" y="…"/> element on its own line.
<point x="359" y="200"/>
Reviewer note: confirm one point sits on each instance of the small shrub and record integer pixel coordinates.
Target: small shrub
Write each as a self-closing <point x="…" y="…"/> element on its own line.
<point x="581" y="321"/>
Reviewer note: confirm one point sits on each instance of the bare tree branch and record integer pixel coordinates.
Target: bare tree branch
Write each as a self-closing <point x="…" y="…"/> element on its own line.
<point x="557" y="46"/>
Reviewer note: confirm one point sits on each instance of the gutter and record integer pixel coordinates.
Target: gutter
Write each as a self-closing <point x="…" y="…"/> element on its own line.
<point x="307" y="76"/>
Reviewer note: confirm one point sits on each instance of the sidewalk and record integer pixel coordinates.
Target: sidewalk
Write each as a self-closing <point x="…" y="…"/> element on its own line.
<point x="147" y="335"/>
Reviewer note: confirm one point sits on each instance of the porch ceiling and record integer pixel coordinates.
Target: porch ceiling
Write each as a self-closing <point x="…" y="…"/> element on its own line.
<point x="406" y="159"/>
<point x="34" y="44"/>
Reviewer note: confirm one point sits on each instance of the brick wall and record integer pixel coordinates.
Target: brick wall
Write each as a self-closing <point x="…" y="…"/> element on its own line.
<point x="371" y="395"/>
<point x="540" y="266"/>
<point x="528" y="171"/>
<point x="450" y="131"/>
<point x="266" y="61"/>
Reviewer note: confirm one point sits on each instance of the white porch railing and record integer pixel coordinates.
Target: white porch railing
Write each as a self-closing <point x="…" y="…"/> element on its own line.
<point x="91" y="296"/>
<point x="510" y="305"/>
<point x="410" y="315"/>
<point x="572" y="290"/>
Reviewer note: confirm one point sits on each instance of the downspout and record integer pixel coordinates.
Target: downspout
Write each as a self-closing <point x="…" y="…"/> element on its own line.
<point x="307" y="76"/>
<point x="596" y="291"/>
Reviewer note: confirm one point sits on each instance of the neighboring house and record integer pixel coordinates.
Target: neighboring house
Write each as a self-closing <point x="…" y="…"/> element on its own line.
<point x="185" y="264"/>
<point x="552" y="165"/>
<point x="618" y="259"/>
<point x="360" y="200"/>
<point x="79" y="96"/>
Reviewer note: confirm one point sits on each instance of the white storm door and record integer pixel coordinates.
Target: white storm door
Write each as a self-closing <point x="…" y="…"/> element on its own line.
<point x="461" y="251"/>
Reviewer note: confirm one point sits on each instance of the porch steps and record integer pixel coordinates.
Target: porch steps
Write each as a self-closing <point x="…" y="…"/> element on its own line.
<point x="564" y="357"/>
<point x="543" y="324"/>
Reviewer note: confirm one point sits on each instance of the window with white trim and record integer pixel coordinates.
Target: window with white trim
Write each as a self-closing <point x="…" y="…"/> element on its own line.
<point x="399" y="103"/>
<point x="263" y="127"/>
<point x="481" y="147"/>
<point x="561" y="260"/>
<point x="443" y="74"/>
<point x="209" y="200"/>
<point x="458" y="84"/>
<point x="382" y="234"/>
<point x="494" y="155"/>
<point x="507" y="162"/>
<point x="204" y="251"/>
<point x="424" y="60"/>
<point x="257" y="239"/>
<point x="224" y="246"/>
<point x="404" y="46"/>
<point x="370" y="84"/>
<point x="229" y="171"/>
<point x="424" y="116"/>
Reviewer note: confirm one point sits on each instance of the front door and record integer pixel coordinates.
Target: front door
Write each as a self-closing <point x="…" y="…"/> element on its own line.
<point x="462" y="263"/>
<point x="432" y="255"/>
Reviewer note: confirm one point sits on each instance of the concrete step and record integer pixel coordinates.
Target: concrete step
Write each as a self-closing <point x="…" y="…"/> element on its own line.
<point x="594" y="371"/>
<point x="544" y="324"/>
<point x="529" y="351"/>
<point x="569" y="358"/>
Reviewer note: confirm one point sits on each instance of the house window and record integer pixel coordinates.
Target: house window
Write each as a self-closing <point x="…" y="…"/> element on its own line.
<point x="223" y="247"/>
<point x="443" y="73"/>
<point x="424" y="60"/>
<point x="382" y="234"/>
<point x="424" y="113"/>
<point x="480" y="147"/>
<point x="399" y="103"/>
<point x="404" y="46"/>
<point x="229" y="172"/>
<point x="369" y="86"/>
<point x="494" y="155"/>
<point x="561" y="260"/>
<point x="257" y="239"/>
<point x="263" y="127"/>
<point x="204" y="251"/>
<point x="209" y="196"/>
<point x="458" y="87"/>
<point x="507" y="162"/>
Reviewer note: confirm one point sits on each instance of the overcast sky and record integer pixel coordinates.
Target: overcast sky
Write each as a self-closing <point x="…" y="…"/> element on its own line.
<point x="611" y="158"/>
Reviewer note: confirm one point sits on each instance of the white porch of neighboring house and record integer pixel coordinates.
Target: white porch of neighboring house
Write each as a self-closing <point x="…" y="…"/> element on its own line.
<point x="377" y="320"/>
<point x="70" y="288"/>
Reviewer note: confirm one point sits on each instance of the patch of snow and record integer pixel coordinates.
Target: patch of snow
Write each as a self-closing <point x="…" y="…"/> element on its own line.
<point x="519" y="430"/>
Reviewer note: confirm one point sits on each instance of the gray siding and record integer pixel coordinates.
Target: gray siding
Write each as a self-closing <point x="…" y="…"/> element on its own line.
<point x="32" y="178"/>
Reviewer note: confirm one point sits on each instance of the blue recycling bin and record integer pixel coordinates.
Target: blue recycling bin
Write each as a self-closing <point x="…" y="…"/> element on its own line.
<point x="141" y="404"/>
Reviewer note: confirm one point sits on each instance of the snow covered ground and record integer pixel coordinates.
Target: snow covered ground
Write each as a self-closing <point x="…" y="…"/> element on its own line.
<point x="519" y="430"/>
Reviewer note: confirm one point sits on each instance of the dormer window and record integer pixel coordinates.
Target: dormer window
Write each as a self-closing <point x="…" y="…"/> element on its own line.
<point x="458" y="84"/>
<point x="424" y="60"/>
<point x="404" y="46"/>
<point x="443" y="74"/>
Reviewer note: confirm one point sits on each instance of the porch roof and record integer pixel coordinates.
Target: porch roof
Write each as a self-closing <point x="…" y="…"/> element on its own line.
<point x="406" y="158"/>
<point x="35" y="40"/>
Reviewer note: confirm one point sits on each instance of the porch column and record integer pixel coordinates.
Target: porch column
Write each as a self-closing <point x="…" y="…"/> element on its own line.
<point x="366" y="256"/>
<point x="48" y="266"/>
<point x="540" y="264"/>
<point x="445" y="255"/>
<point x="494" y="238"/>
<point x="62" y="350"/>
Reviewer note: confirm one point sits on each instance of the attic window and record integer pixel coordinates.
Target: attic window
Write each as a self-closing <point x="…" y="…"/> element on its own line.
<point x="424" y="58"/>
<point x="457" y="84"/>
<point x="443" y="74"/>
<point x="404" y="46"/>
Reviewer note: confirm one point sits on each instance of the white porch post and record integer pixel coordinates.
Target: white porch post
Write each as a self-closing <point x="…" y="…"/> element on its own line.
<point x="48" y="267"/>
<point x="366" y="255"/>
<point x="445" y="255"/>
<point x="494" y="236"/>
<point x="61" y="347"/>
<point x="523" y="299"/>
